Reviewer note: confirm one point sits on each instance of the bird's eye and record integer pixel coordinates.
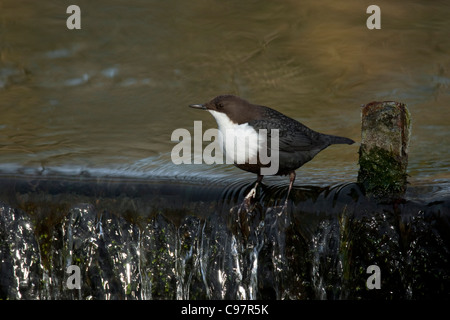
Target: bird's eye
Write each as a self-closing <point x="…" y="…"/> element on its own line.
<point x="219" y="106"/>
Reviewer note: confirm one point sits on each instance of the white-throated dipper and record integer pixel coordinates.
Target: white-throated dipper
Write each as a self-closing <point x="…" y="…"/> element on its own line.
<point x="297" y="144"/>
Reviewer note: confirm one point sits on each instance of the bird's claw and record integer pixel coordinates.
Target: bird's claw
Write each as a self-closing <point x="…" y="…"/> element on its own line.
<point x="249" y="198"/>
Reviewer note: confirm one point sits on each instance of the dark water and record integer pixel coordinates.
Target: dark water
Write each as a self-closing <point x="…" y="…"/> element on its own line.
<point x="105" y="99"/>
<point x="86" y="178"/>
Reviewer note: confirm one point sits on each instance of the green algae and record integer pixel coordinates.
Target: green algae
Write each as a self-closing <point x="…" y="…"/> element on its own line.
<point x="381" y="173"/>
<point x="383" y="155"/>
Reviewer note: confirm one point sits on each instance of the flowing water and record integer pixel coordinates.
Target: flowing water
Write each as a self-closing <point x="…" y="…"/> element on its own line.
<point x="105" y="99"/>
<point x="166" y="241"/>
<point x="86" y="118"/>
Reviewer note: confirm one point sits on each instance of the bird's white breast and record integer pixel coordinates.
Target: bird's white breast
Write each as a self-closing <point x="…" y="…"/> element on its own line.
<point x="233" y="137"/>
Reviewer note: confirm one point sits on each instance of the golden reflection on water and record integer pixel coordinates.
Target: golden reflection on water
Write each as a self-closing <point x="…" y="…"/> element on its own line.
<point x="109" y="95"/>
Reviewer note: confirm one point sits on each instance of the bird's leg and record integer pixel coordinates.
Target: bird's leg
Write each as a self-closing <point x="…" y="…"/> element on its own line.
<point x="291" y="183"/>
<point x="252" y="193"/>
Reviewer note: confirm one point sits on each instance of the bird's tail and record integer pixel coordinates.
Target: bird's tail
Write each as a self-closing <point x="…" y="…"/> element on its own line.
<point x="340" y="140"/>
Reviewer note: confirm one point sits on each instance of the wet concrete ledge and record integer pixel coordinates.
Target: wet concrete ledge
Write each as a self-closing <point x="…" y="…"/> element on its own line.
<point x="163" y="239"/>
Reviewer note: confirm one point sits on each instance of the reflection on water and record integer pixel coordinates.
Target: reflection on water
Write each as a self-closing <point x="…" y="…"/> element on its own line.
<point x="105" y="99"/>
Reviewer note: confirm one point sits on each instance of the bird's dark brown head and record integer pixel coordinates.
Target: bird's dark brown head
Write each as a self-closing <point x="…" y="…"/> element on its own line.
<point x="237" y="109"/>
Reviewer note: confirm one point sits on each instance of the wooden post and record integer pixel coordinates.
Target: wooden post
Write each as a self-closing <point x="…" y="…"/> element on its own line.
<point x="383" y="155"/>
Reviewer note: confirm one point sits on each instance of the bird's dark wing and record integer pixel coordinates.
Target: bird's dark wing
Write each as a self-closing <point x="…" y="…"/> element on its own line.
<point x="293" y="136"/>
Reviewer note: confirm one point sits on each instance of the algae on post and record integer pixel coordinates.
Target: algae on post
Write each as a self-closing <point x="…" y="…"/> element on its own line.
<point x="383" y="155"/>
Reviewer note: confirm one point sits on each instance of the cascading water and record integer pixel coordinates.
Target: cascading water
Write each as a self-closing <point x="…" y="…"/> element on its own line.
<point x="319" y="247"/>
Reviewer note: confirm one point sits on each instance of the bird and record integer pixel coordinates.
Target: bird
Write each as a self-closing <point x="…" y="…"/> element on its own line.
<point x="297" y="144"/>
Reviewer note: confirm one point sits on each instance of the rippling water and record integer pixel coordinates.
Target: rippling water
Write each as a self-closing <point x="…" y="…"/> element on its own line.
<point x="105" y="99"/>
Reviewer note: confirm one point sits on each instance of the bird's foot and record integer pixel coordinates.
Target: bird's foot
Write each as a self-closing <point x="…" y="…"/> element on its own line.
<point x="249" y="198"/>
<point x="284" y="207"/>
<point x="281" y="210"/>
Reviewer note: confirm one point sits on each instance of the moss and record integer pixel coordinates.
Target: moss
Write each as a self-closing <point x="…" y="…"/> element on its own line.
<point x="386" y="128"/>
<point x="129" y="289"/>
<point x="381" y="172"/>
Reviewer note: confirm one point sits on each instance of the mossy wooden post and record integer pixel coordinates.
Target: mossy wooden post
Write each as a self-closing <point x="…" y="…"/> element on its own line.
<point x="383" y="155"/>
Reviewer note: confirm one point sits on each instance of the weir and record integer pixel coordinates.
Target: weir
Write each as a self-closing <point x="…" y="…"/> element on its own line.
<point x="172" y="239"/>
<point x="163" y="240"/>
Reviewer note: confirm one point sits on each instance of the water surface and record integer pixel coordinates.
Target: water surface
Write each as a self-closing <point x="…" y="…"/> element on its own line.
<point x="105" y="99"/>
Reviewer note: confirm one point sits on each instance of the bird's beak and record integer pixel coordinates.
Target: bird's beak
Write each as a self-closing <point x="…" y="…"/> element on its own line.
<point x="198" y="106"/>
